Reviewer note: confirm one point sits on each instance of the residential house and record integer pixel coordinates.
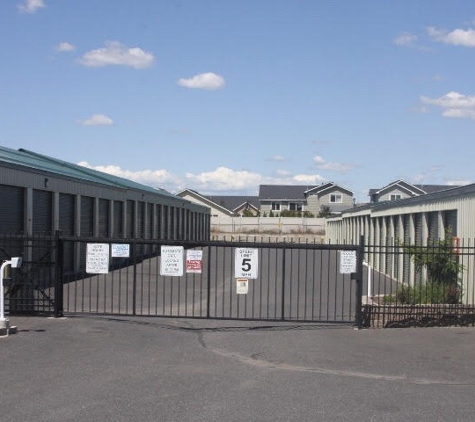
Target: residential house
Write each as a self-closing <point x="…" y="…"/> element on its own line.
<point x="223" y="206"/>
<point x="329" y="196"/>
<point x="313" y="199"/>
<point x="403" y="190"/>
<point x="273" y="199"/>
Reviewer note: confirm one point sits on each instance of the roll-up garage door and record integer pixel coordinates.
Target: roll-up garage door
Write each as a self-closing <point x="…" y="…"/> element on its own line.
<point x="130" y="218"/>
<point x="42" y="211"/>
<point x="433" y="226"/>
<point x="87" y="216"/>
<point x="450" y="221"/>
<point x="141" y="220"/>
<point x="103" y="217"/>
<point x="118" y="213"/>
<point x="66" y="214"/>
<point x="11" y="209"/>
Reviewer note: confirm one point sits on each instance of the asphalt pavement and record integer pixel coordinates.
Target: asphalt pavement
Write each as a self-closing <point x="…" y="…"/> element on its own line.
<point x="138" y="369"/>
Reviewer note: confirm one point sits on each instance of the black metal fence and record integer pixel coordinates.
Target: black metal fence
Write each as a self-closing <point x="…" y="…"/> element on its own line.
<point x="395" y="285"/>
<point x="32" y="288"/>
<point x="408" y="285"/>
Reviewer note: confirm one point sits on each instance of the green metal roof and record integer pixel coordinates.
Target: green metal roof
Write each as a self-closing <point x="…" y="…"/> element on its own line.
<point x="33" y="160"/>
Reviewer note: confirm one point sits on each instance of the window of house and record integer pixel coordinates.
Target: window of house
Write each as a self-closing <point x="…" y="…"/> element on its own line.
<point x="395" y="197"/>
<point x="295" y="206"/>
<point x="336" y="199"/>
<point x="275" y="206"/>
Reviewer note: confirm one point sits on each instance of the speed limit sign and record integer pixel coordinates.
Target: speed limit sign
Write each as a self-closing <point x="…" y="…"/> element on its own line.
<point x="246" y="263"/>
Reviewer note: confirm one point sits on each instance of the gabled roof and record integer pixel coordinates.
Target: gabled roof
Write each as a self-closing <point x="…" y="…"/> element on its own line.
<point x="204" y="200"/>
<point x="415" y="189"/>
<point x="283" y="192"/>
<point x="324" y="187"/>
<point x="39" y="162"/>
<point x="234" y="203"/>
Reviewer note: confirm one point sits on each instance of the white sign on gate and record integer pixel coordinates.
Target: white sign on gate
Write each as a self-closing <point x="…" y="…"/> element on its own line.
<point x="171" y="262"/>
<point x="347" y="262"/>
<point x="246" y="263"/>
<point x="242" y="286"/>
<point x="120" y="250"/>
<point x="97" y="258"/>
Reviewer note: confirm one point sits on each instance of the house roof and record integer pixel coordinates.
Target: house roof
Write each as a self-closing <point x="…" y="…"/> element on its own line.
<point x="283" y="192"/>
<point x="324" y="187"/>
<point x="415" y="189"/>
<point x="233" y="203"/>
<point x="204" y="200"/>
<point x="39" y="162"/>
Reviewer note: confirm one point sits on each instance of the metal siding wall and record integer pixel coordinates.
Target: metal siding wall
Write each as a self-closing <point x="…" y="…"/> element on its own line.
<point x="12" y="206"/>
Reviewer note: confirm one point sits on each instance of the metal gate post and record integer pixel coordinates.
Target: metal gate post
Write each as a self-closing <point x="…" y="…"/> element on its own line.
<point x="359" y="284"/>
<point x="208" y="292"/>
<point x="134" y="281"/>
<point x="58" y="275"/>
<point x="283" y="284"/>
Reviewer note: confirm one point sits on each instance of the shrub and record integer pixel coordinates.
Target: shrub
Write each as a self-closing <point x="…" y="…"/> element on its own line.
<point x="425" y="294"/>
<point x="443" y="272"/>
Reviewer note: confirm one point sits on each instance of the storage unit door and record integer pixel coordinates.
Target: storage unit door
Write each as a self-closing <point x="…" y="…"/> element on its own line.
<point x="11" y="209"/>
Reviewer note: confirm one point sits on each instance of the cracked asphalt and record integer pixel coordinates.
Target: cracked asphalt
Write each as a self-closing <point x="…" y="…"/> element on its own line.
<point x="99" y="368"/>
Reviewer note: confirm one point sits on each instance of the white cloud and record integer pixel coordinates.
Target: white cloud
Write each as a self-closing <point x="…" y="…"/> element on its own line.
<point x="210" y="81"/>
<point x="222" y="180"/>
<point x="306" y="179"/>
<point x="155" y="178"/>
<point x="453" y="105"/>
<point x="65" y="47"/>
<point x="465" y="38"/>
<point x="337" y="167"/>
<point x="118" y="54"/>
<point x="31" y="6"/>
<point x="405" y="39"/>
<point x="97" y="120"/>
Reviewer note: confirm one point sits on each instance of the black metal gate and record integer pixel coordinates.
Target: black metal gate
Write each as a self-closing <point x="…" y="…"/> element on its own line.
<point x="293" y="282"/>
<point x="288" y="282"/>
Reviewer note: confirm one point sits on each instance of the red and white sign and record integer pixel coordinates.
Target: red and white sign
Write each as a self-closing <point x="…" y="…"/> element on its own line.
<point x="194" y="261"/>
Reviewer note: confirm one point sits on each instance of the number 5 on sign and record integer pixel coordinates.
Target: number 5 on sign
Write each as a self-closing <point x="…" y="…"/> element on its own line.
<point x="246" y="263"/>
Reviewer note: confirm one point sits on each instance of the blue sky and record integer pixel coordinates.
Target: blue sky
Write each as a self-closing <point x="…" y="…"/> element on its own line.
<point x="222" y="96"/>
